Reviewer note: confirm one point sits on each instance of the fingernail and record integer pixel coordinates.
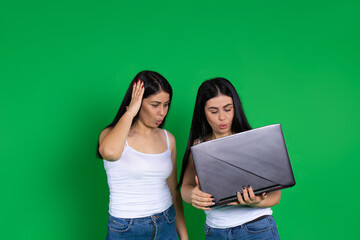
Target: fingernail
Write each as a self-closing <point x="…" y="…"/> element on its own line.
<point x="212" y="196"/>
<point x="134" y="83"/>
<point x="213" y="200"/>
<point x="138" y="79"/>
<point x="248" y="186"/>
<point x="238" y="193"/>
<point x="243" y="187"/>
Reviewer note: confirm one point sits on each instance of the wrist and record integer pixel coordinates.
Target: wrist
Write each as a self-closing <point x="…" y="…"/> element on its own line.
<point x="129" y="114"/>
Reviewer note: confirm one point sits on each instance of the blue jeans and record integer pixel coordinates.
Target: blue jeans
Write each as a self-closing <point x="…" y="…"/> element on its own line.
<point x="159" y="226"/>
<point x="262" y="229"/>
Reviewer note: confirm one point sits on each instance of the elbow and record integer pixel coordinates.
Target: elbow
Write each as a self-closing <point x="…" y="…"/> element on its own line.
<point x="108" y="154"/>
<point x="277" y="199"/>
<point x="276" y="202"/>
<point x="184" y="194"/>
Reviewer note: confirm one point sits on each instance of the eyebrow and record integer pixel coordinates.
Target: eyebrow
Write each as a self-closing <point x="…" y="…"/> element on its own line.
<point x="159" y="102"/>
<point x="215" y="108"/>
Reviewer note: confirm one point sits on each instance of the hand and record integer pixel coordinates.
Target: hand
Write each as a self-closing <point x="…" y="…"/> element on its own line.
<point x="249" y="198"/>
<point x="136" y="98"/>
<point x="200" y="199"/>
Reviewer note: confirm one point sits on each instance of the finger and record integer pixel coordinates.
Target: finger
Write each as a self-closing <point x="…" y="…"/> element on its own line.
<point x="251" y="194"/>
<point x="264" y="195"/>
<point x="203" y="204"/>
<point x="200" y="193"/>
<point x="246" y="195"/>
<point x="138" y="87"/>
<point x="202" y="208"/>
<point x="240" y="199"/>
<point x="200" y="203"/>
<point x="233" y="204"/>
<point x="204" y="200"/>
<point x="197" y="181"/>
<point x="133" y="89"/>
<point x="142" y="90"/>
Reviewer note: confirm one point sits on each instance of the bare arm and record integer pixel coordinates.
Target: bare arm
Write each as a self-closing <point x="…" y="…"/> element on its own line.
<point x="112" y="141"/>
<point x="177" y="201"/>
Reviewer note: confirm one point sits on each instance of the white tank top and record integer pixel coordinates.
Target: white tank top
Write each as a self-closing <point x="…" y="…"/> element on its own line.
<point x="137" y="183"/>
<point x="232" y="216"/>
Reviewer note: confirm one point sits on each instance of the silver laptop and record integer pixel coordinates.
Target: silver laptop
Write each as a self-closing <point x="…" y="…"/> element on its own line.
<point x="257" y="157"/>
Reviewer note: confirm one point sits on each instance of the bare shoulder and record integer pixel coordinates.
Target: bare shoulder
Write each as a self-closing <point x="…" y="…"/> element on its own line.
<point x="171" y="137"/>
<point x="171" y="140"/>
<point x="104" y="133"/>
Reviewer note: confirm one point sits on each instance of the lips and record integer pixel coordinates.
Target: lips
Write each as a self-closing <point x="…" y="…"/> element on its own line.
<point x="223" y="126"/>
<point x="158" y="122"/>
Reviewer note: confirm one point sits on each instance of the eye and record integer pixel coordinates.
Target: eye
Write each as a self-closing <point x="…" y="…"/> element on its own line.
<point x="228" y="110"/>
<point x="154" y="105"/>
<point x="166" y="105"/>
<point x="214" y="112"/>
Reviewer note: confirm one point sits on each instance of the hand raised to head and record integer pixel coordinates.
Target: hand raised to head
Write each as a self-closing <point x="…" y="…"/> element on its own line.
<point x="136" y="98"/>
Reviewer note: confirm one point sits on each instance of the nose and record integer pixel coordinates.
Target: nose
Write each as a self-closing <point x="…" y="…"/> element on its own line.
<point x="221" y="116"/>
<point x="161" y="111"/>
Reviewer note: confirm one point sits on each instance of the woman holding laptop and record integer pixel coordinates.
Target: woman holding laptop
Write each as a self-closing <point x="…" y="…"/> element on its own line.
<point x="218" y="113"/>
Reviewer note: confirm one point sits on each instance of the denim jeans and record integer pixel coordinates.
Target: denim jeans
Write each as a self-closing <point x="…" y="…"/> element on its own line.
<point x="263" y="229"/>
<point x="159" y="226"/>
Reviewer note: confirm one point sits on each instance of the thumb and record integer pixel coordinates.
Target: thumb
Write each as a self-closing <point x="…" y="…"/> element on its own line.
<point x="197" y="181"/>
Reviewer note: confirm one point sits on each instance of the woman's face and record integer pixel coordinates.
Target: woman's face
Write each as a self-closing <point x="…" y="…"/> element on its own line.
<point x="154" y="109"/>
<point x="219" y="112"/>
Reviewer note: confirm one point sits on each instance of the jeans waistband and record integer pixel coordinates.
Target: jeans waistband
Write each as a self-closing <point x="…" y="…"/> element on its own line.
<point x="257" y="219"/>
<point x="155" y="217"/>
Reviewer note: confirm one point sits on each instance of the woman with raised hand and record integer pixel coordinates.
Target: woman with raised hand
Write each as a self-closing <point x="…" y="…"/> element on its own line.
<point x="140" y="163"/>
<point x="218" y="113"/>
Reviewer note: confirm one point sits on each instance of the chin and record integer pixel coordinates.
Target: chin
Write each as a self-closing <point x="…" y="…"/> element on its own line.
<point x="223" y="131"/>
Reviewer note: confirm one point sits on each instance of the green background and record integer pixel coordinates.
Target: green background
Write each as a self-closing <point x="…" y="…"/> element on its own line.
<point x="65" y="66"/>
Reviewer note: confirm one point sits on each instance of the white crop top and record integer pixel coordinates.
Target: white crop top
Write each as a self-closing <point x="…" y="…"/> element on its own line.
<point x="137" y="183"/>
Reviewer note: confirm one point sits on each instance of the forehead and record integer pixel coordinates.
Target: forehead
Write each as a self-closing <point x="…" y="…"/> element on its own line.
<point x="160" y="96"/>
<point x="219" y="101"/>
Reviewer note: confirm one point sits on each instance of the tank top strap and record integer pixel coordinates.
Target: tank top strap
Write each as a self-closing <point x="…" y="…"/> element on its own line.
<point x="126" y="143"/>
<point x="198" y="140"/>
<point x="167" y="139"/>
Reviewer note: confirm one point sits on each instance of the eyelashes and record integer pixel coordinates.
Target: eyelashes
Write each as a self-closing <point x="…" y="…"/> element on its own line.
<point x="226" y="110"/>
<point x="156" y="105"/>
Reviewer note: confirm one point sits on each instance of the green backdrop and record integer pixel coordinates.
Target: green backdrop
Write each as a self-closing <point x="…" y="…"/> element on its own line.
<point x="65" y="66"/>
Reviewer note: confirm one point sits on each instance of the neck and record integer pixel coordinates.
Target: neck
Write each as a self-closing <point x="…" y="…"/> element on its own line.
<point x="141" y="128"/>
<point x="220" y="135"/>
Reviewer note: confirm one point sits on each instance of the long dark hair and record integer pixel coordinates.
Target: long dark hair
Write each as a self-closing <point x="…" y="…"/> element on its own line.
<point x="153" y="83"/>
<point x="200" y="128"/>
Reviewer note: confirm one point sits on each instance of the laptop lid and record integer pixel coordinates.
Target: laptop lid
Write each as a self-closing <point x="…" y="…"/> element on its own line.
<point x="257" y="157"/>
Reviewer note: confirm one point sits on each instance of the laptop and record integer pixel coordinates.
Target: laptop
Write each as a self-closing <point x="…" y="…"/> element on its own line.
<point x="256" y="157"/>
